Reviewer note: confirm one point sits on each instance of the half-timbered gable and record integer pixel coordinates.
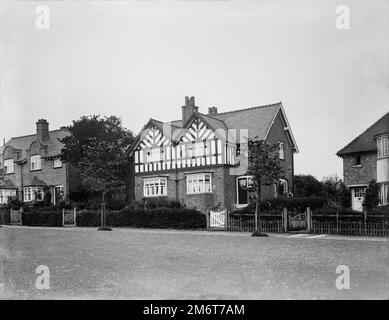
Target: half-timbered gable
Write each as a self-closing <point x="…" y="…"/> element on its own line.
<point x="201" y="159"/>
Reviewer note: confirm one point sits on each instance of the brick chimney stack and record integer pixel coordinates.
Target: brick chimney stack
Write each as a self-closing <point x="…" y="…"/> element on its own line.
<point x="42" y="129"/>
<point x="212" y="110"/>
<point x="188" y="109"/>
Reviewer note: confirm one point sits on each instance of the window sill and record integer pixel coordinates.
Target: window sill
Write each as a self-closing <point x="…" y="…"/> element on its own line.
<point x="357" y="166"/>
<point x="9" y="173"/>
<point x="383" y="157"/>
<point x="57" y="167"/>
<point x="241" y="205"/>
<point x="35" y="170"/>
<point x="156" y="196"/>
<point x="198" y="193"/>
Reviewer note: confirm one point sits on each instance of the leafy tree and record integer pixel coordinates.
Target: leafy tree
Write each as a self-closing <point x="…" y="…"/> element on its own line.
<point x="88" y="130"/>
<point x="265" y="169"/>
<point x="371" y="199"/>
<point x="307" y="185"/>
<point x="344" y="196"/>
<point x="330" y="188"/>
<point x="97" y="147"/>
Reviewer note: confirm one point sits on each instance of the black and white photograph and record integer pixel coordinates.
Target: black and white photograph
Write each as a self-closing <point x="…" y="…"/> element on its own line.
<point x="211" y="152"/>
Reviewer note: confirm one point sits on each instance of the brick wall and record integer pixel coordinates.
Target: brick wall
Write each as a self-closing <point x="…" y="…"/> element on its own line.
<point x="22" y="175"/>
<point x="362" y="174"/>
<point x="277" y="134"/>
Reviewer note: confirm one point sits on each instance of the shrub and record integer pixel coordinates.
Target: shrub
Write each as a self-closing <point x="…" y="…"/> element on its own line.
<point x="160" y="202"/>
<point x="42" y="218"/>
<point x="176" y="218"/>
<point x="292" y="204"/>
<point x="371" y="199"/>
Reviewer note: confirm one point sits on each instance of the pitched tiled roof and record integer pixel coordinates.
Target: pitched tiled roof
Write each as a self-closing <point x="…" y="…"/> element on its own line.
<point x="257" y="120"/>
<point x="366" y="142"/>
<point x="35" y="181"/>
<point x="54" y="146"/>
<point x="7" y="184"/>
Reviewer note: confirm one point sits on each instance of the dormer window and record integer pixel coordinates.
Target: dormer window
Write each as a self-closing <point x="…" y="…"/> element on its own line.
<point x="383" y="147"/>
<point x="35" y="162"/>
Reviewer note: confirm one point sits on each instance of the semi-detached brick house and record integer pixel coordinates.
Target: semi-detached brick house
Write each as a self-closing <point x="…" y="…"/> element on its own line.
<point x="34" y="169"/>
<point x="366" y="158"/>
<point x="201" y="160"/>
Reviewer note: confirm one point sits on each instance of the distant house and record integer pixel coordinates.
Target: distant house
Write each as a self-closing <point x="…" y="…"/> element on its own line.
<point x="201" y="159"/>
<point x="34" y="169"/>
<point x="366" y="158"/>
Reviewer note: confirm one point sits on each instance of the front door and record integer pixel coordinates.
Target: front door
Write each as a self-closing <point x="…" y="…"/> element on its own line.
<point x="357" y="196"/>
<point x="58" y="194"/>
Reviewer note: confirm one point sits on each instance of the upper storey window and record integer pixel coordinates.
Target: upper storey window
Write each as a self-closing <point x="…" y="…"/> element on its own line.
<point x="383" y="146"/>
<point x="9" y="166"/>
<point x="35" y="162"/>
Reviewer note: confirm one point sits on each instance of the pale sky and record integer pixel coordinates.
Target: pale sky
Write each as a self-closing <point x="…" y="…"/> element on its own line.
<point x="139" y="60"/>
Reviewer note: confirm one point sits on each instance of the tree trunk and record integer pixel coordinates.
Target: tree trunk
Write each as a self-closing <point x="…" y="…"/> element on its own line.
<point x="103" y="211"/>
<point x="258" y="227"/>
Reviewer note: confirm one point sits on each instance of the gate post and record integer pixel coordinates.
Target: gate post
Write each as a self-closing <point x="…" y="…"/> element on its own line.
<point x="285" y="219"/>
<point x="207" y="217"/>
<point x="309" y="219"/>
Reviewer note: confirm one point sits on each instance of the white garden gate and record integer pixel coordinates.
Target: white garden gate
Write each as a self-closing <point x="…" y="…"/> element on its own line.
<point x="217" y="219"/>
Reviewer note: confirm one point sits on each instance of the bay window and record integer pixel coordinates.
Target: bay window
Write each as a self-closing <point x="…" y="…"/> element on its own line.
<point x="383" y="147"/>
<point x="33" y="194"/>
<point x="35" y="162"/>
<point x="154" y="187"/>
<point x="199" y="183"/>
<point x="5" y="194"/>
<point x="384" y="194"/>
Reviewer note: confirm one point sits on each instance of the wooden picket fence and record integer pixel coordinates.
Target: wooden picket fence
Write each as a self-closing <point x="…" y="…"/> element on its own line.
<point x="271" y="223"/>
<point x="355" y="228"/>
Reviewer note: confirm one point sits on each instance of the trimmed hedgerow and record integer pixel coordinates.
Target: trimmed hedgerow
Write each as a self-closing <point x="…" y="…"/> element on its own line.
<point x="42" y="218"/>
<point x="175" y="218"/>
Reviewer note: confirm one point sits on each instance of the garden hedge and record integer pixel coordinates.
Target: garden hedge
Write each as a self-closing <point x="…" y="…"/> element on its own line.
<point x="175" y="218"/>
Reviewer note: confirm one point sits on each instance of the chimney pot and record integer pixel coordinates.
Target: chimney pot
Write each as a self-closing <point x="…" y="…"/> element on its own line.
<point x="42" y="129"/>
<point x="188" y="109"/>
<point x="212" y="110"/>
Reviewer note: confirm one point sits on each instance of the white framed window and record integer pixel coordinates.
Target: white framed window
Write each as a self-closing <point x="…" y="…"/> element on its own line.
<point x="9" y="165"/>
<point x="33" y="194"/>
<point x="384" y="194"/>
<point x="360" y="192"/>
<point x="5" y="194"/>
<point x="283" y="187"/>
<point x="199" y="183"/>
<point x="57" y="163"/>
<point x="35" y="162"/>
<point x="281" y="151"/>
<point x="383" y="147"/>
<point x="154" y="187"/>
<point x="242" y="190"/>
